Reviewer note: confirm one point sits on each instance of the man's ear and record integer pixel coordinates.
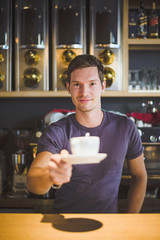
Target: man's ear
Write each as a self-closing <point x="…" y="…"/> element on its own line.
<point x="68" y="87"/>
<point x="103" y="86"/>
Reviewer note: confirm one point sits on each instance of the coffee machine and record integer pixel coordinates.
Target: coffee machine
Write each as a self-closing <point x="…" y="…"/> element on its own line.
<point x="21" y="159"/>
<point x="3" y="173"/>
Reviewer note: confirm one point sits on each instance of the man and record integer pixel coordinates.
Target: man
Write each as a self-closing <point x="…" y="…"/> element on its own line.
<point x="89" y="188"/>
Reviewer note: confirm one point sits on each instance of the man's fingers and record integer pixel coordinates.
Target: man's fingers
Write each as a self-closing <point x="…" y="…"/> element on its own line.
<point x="64" y="152"/>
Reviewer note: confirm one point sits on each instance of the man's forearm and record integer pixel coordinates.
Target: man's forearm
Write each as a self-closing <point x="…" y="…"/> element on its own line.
<point x="136" y="194"/>
<point x="38" y="181"/>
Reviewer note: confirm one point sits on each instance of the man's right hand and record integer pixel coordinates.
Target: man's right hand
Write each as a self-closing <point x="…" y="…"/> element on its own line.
<point x="48" y="169"/>
<point x="60" y="171"/>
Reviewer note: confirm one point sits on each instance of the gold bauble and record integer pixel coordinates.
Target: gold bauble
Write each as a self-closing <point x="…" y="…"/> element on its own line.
<point x="31" y="77"/>
<point x="106" y="56"/>
<point x="31" y="57"/>
<point x="109" y="76"/>
<point x="68" y="56"/>
<point x="64" y="77"/>
<point x="1" y="58"/>
<point x="2" y="78"/>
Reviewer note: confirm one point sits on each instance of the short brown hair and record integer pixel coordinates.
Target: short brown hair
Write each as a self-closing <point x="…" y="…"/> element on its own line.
<point x="83" y="61"/>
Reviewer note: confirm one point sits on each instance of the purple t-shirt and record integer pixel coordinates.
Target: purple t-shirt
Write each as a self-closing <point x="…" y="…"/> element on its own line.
<point x="93" y="187"/>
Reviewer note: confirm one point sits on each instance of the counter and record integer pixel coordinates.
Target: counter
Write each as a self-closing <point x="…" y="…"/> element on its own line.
<point x="79" y="226"/>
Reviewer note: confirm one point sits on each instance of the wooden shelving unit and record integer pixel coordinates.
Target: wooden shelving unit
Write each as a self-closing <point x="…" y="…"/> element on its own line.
<point x="49" y="94"/>
<point x="127" y="45"/>
<point x="135" y="44"/>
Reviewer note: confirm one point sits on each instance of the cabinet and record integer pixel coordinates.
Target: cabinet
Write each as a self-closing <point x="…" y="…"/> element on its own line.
<point x="137" y="49"/>
<point x="128" y="48"/>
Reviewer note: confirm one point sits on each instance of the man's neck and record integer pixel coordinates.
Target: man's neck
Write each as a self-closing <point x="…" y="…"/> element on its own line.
<point x="89" y="119"/>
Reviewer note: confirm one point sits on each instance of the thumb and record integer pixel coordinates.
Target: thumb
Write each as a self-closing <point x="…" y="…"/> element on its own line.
<point x="64" y="152"/>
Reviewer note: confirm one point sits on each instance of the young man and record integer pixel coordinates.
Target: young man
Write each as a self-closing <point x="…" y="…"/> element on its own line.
<point x="89" y="188"/>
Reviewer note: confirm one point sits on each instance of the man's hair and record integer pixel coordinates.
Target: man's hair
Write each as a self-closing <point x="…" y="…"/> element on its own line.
<point x="84" y="61"/>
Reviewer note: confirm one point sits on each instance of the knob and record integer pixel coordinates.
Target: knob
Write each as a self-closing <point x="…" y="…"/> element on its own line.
<point x="1" y="58"/>
<point x="31" y="57"/>
<point x="106" y="56"/>
<point x="68" y="56"/>
<point x="64" y="77"/>
<point x="153" y="138"/>
<point x="31" y="77"/>
<point x="2" y="78"/>
<point x="109" y="76"/>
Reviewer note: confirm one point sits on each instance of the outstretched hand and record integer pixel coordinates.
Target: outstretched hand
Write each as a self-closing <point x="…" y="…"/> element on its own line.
<point x="60" y="172"/>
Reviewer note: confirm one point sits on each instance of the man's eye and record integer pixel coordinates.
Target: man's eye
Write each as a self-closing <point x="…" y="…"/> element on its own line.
<point x="93" y="84"/>
<point x="76" y="84"/>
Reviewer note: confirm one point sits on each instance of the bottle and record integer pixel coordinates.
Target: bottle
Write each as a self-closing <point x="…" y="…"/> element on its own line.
<point x="36" y="135"/>
<point x="153" y="23"/>
<point x="142" y="22"/>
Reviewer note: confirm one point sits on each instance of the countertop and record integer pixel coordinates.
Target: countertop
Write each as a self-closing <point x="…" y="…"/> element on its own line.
<point x="79" y="226"/>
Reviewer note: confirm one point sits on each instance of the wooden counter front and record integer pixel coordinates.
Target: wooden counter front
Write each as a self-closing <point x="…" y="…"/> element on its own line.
<point x="79" y="226"/>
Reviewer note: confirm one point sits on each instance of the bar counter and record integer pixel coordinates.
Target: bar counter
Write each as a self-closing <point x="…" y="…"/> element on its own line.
<point x="79" y="226"/>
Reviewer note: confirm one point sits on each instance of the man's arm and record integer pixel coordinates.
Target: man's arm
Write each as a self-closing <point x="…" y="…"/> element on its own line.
<point x="48" y="169"/>
<point x="138" y="184"/>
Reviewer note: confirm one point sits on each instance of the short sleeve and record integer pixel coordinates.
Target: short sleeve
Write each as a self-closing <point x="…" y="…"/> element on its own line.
<point x="51" y="140"/>
<point x="135" y="147"/>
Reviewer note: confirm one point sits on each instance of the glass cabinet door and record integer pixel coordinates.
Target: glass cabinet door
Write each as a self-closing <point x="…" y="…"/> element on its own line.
<point x="68" y="37"/>
<point x="5" y="45"/>
<point x="144" y="45"/>
<point x="31" y="38"/>
<point x="105" y="39"/>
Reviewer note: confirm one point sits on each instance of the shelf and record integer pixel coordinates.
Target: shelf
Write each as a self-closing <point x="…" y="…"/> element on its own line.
<point x="107" y="93"/>
<point x="34" y="94"/>
<point x="142" y="42"/>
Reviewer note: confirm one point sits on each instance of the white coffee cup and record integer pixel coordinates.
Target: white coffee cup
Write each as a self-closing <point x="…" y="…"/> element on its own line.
<point x="86" y="145"/>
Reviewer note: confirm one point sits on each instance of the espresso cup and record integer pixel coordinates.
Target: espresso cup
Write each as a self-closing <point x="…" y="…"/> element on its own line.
<point x="87" y="145"/>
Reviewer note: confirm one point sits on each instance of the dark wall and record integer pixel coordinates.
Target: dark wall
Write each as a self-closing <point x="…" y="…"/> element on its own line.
<point x="22" y="112"/>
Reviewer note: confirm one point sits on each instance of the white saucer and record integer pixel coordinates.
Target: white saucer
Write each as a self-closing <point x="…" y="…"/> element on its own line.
<point x="90" y="159"/>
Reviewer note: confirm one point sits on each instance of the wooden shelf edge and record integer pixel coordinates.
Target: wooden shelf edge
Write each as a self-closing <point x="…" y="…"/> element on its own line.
<point x="107" y="93"/>
<point x="33" y="94"/>
<point x="143" y="41"/>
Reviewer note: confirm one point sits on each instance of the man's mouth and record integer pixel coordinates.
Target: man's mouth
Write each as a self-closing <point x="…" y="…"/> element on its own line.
<point x="85" y="100"/>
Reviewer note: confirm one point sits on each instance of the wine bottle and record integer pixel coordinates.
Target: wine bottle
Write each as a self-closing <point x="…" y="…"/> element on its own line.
<point x="142" y="22"/>
<point x="153" y="22"/>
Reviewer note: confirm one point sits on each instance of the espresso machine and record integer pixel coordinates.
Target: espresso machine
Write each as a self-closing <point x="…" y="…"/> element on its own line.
<point x="68" y="37"/>
<point x="3" y="173"/>
<point x="31" y="45"/>
<point x="21" y="159"/>
<point x="5" y="45"/>
<point x="105" y="39"/>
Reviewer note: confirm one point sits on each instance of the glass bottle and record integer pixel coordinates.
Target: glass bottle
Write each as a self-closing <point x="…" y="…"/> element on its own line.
<point x="39" y="128"/>
<point x="142" y="21"/>
<point x="153" y="23"/>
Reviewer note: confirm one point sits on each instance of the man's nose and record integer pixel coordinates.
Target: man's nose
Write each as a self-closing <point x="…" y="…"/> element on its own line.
<point x="84" y="89"/>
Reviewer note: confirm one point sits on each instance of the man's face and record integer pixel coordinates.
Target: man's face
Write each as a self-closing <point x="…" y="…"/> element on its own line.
<point x="85" y="88"/>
